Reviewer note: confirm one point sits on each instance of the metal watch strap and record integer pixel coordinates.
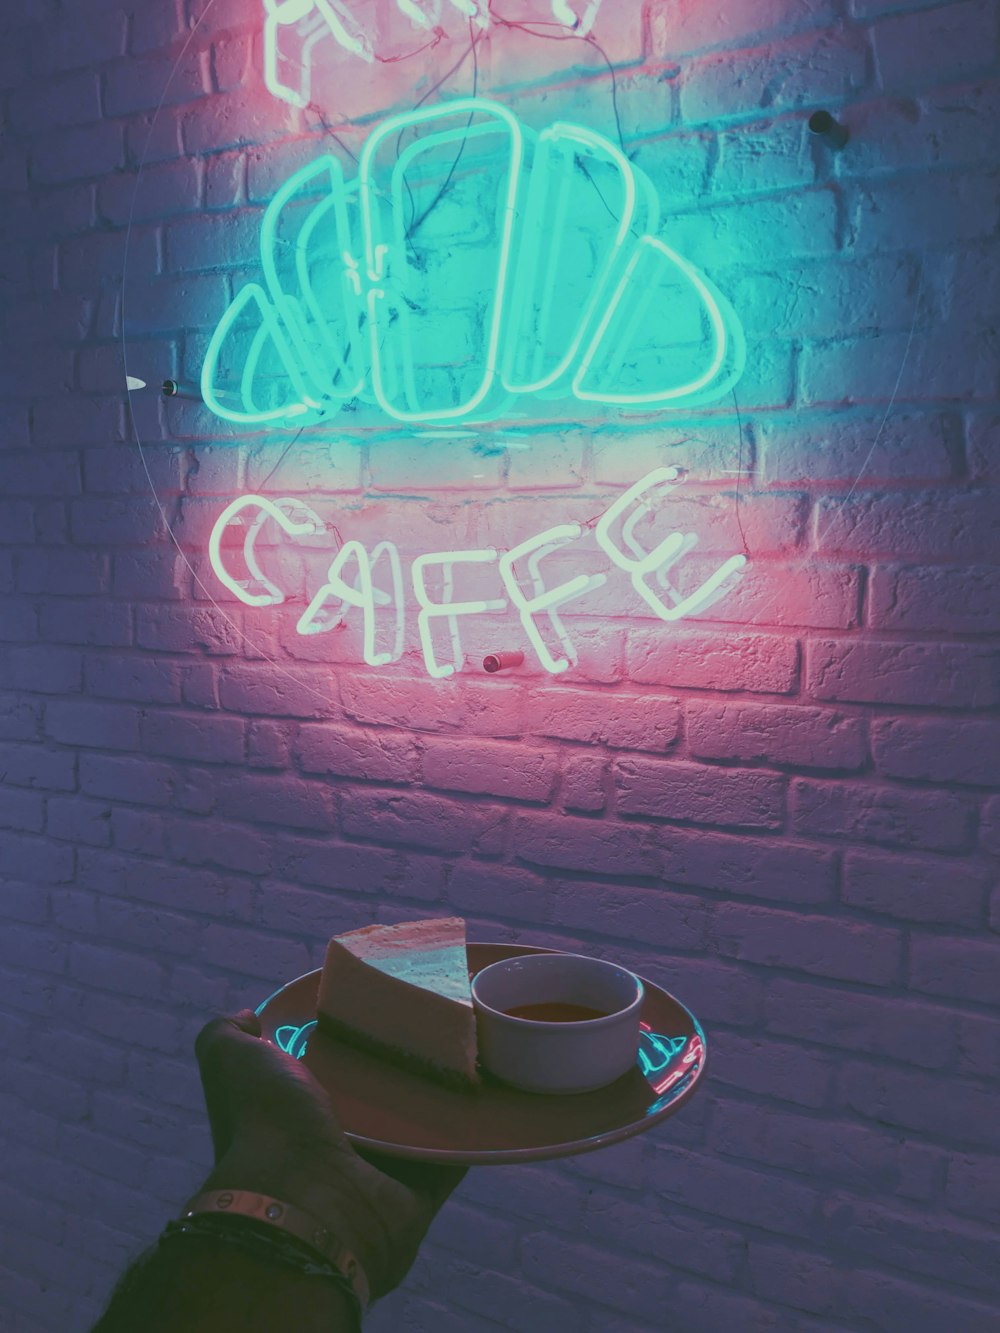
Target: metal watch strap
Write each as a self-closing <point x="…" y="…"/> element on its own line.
<point x="290" y="1221"/>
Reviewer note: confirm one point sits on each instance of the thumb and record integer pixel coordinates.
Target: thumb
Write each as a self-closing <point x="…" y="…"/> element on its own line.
<point x="227" y="1053"/>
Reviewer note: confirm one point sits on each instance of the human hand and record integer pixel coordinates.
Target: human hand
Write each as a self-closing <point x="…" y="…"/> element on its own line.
<point x="274" y="1131"/>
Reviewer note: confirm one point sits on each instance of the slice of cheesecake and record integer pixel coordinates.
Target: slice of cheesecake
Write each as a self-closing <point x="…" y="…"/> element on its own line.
<point x="402" y="992"/>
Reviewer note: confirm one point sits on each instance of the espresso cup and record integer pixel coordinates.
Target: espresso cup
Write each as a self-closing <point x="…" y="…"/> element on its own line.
<point x="550" y="1054"/>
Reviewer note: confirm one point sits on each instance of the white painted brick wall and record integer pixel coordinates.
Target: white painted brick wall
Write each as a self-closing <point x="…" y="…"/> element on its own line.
<point x="781" y="811"/>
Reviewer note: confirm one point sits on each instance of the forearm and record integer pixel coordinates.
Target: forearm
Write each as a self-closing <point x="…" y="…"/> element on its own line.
<point x="195" y="1284"/>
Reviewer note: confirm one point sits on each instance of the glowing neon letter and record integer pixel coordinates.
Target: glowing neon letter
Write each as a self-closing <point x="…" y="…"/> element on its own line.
<point x="365" y="595"/>
<point x="452" y="610"/>
<point x="666" y="553"/>
<point x="546" y="599"/>
<point x="280" y="511"/>
<point x="292" y="29"/>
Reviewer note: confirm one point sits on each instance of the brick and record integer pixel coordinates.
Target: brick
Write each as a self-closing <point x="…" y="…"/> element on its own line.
<point x="983" y="432"/>
<point x="452" y="707"/>
<point x="18" y="522"/>
<point x="40" y="474"/>
<point x="912" y="1031"/>
<point x="844" y="950"/>
<point x="651" y="916"/>
<point x="81" y="40"/>
<point x="965" y="751"/>
<point x="963" y="968"/>
<point x="103" y="625"/>
<point x="989" y="830"/>
<point x="700" y="1306"/>
<point x="978" y="1045"/>
<point x="699" y="793"/>
<point x="208" y="739"/>
<point x="22" y="810"/>
<point x="20" y="718"/>
<point x="271" y="799"/>
<point x="268" y="745"/>
<point x="251" y="953"/>
<point x="415" y="820"/>
<point x="31" y="765"/>
<point x="935" y="890"/>
<point x="755" y="867"/>
<point x="179" y="629"/>
<point x="85" y="153"/>
<point x="373" y="756"/>
<point x="135" y="781"/>
<point x="901" y="673"/>
<point x="761" y="733"/>
<point x="216" y="843"/>
<point x="71" y="572"/>
<point x="681" y="31"/>
<point x="102" y="726"/>
<point x="964" y="1254"/>
<point x="583" y="783"/>
<point x="798" y="1278"/>
<point x="29" y="947"/>
<point x="849" y="446"/>
<point x="18" y="621"/>
<point x="146" y="84"/>
<point x="490" y="769"/>
<point x="256" y="689"/>
<point x="956" y="599"/>
<point x="929" y="821"/>
<point x="132" y="678"/>
<point x="744" y="82"/>
<point x="811" y="595"/>
<point x="957" y="1111"/>
<point x="336" y="865"/>
<point x="209" y="241"/>
<point x="595" y="846"/>
<point x="166" y="189"/>
<point x="726" y="1190"/>
<point x="776" y="1070"/>
<point x="965" y="209"/>
<point x="699" y="659"/>
<point x="632" y="721"/>
<point x="123" y="470"/>
<point x="911" y="524"/>
<point x="79" y="821"/>
<point x="133" y="1023"/>
<point x="852" y="1154"/>
<point x="950" y="43"/>
<point x="587" y="1271"/>
<point x="971" y="1187"/>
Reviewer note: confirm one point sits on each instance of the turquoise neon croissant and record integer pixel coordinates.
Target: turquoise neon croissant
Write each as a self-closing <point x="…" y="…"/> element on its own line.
<point x="471" y="267"/>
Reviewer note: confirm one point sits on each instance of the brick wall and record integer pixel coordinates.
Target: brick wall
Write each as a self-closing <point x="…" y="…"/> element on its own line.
<point x="783" y="810"/>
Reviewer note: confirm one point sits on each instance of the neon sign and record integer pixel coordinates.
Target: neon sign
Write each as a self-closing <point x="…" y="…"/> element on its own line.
<point x="294" y="29"/>
<point x="544" y="279"/>
<point x="432" y="578"/>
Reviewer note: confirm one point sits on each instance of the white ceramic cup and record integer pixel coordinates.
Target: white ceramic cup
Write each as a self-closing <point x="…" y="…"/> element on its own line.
<point x="557" y="1057"/>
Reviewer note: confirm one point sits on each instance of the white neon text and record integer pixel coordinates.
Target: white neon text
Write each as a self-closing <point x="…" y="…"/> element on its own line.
<point x="433" y="577"/>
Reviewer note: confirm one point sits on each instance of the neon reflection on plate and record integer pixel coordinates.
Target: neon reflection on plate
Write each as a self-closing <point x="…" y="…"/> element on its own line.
<point x="294" y="1039"/>
<point x="656" y="1051"/>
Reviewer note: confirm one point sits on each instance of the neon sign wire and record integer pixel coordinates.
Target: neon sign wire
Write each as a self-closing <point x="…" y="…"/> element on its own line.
<point x="613" y="316"/>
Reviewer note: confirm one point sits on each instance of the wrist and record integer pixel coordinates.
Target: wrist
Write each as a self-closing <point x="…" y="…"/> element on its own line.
<point x="197" y="1284"/>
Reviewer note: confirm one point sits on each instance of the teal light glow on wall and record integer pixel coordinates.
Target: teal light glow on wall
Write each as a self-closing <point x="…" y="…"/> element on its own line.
<point x="472" y="267"/>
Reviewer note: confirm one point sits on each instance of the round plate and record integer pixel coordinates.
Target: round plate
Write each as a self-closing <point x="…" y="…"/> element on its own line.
<point x="399" y="1113"/>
